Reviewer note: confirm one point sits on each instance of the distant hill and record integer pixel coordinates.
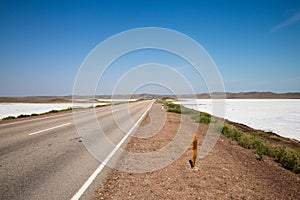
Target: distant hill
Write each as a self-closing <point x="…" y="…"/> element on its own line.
<point x="240" y="95"/>
<point x="255" y="95"/>
<point x="68" y="99"/>
<point x="35" y="99"/>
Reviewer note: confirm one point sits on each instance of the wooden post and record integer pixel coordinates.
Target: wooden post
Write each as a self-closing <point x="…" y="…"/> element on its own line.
<point x="194" y="154"/>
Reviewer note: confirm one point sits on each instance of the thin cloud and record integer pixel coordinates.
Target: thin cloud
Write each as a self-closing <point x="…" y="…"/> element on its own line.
<point x="287" y="22"/>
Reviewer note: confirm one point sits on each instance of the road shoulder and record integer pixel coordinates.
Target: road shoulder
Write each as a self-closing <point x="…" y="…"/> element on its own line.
<point x="227" y="172"/>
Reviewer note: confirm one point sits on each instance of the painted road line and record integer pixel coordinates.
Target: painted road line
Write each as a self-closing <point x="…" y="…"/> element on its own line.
<point x="107" y="159"/>
<point x="48" y="129"/>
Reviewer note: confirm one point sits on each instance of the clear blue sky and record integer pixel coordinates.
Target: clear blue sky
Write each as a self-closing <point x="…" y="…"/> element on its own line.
<point x="255" y="44"/>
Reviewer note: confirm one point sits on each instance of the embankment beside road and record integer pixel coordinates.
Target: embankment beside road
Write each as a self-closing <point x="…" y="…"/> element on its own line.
<point x="230" y="171"/>
<point x="283" y="150"/>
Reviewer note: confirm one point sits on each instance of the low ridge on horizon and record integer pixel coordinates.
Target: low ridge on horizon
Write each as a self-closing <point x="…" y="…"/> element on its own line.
<point x="229" y="95"/>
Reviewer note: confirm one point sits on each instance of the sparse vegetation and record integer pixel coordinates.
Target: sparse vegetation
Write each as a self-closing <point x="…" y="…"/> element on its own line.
<point x="198" y="117"/>
<point x="99" y="106"/>
<point x="22" y="116"/>
<point x="9" y="117"/>
<point x="203" y="118"/>
<point x="35" y="114"/>
<point x="50" y="112"/>
<point x="287" y="157"/>
<point x="262" y="143"/>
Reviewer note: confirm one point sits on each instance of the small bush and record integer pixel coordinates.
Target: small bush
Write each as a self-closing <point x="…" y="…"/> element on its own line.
<point x="174" y="108"/>
<point x="187" y="111"/>
<point x="34" y="114"/>
<point x="261" y="149"/>
<point x="161" y="101"/>
<point x="174" y="111"/>
<point x="217" y="126"/>
<point x="195" y="116"/>
<point x="52" y="111"/>
<point x="203" y="118"/>
<point x="22" y="116"/>
<point x="245" y="141"/>
<point x="98" y="106"/>
<point x="232" y="132"/>
<point x="226" y="130"/>
<point x="288" y="159"/>
<point x="9" y="117"/>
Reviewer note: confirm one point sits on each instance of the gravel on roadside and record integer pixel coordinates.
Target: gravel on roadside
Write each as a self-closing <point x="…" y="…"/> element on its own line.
<point x="227" y="172"/>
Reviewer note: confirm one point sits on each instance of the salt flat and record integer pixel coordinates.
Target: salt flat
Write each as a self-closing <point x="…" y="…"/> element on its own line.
<point x="16" y="109"/>
<point x="281" y="116"/>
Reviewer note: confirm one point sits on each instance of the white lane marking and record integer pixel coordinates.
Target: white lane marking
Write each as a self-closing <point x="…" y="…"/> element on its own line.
<point x="107" y="159"/>
<point x="48" y="129"/>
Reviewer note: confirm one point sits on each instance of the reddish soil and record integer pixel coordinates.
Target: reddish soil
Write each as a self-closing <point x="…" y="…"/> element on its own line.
<point x="227" y="172"/>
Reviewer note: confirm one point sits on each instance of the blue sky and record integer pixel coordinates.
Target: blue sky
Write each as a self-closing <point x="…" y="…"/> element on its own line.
<point x="255" y="44"/>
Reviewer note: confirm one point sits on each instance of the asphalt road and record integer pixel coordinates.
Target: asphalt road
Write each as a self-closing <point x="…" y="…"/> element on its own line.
<point x="45" y="158"/>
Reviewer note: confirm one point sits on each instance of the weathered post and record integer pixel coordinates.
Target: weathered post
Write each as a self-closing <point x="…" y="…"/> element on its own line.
<point x="194" y="154"/>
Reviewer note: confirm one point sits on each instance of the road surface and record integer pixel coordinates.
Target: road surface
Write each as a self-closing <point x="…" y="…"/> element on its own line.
<point x="45" y="158"/>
